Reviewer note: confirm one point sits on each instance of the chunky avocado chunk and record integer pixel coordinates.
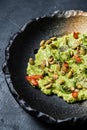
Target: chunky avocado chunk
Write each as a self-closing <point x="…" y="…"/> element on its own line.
<point x="60" y="67"/>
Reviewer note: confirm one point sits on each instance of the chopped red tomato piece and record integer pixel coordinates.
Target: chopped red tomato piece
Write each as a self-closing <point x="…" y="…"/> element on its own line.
<point x="65" y="64"/>
<point x="75" y="94"/>
<point x="77" y="58"/>
<point x="75" y="35"/>
<point x="34" y="82"/>
<point x="34" y="77"/>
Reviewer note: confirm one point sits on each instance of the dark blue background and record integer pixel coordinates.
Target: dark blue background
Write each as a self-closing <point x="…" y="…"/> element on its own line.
<point x="13" y="15"/>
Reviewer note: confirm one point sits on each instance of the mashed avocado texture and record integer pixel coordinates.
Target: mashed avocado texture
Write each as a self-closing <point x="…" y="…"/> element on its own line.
<point x="60" y="67"/>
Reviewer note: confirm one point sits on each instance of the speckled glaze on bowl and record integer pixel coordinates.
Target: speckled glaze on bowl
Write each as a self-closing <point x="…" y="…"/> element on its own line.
<point x="50" y="109"/>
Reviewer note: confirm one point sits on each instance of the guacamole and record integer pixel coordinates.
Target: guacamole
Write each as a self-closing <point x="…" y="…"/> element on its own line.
<point x="60" y="67"/>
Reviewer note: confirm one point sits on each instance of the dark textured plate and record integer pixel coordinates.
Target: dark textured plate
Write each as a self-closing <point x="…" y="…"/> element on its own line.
<point x="23" y="45"/>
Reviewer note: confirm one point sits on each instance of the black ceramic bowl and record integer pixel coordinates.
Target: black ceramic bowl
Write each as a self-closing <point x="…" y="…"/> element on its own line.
<point x="23" y="45"/>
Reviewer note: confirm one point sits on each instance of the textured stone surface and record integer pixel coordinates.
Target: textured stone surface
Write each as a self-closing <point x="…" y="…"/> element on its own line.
<point x="13" y="14"/>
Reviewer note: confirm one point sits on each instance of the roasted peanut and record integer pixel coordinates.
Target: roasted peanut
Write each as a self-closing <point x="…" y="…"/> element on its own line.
<point x="61" y="81"/>
<point x="31" y="61"/>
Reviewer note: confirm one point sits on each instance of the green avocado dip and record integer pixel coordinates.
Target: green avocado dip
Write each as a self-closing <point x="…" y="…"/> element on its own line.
<point x="60" y="67"/>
